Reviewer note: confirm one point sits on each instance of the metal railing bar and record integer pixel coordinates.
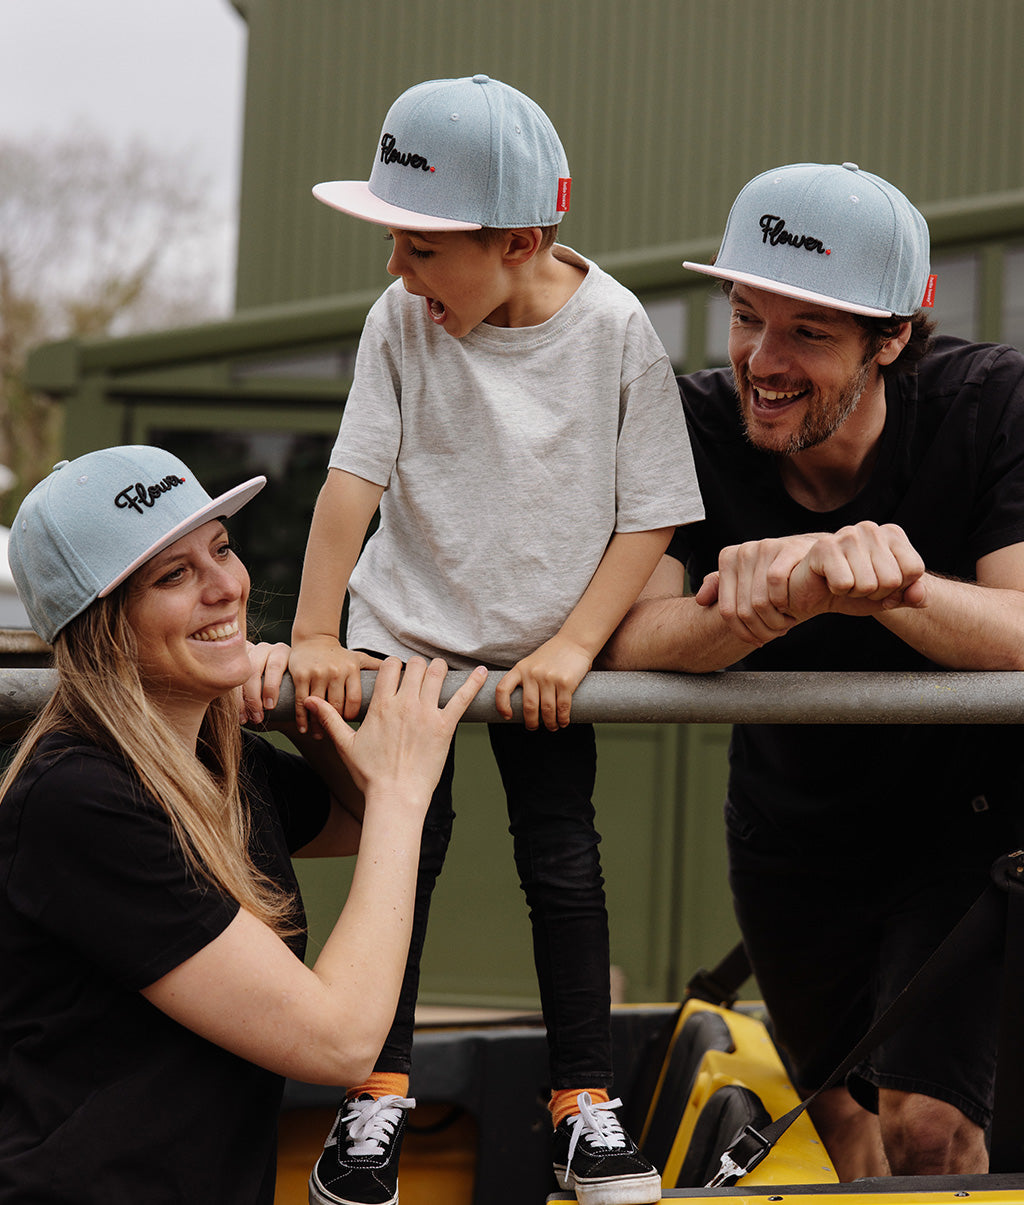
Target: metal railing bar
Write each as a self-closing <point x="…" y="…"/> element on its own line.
<point x="933" y="697"/>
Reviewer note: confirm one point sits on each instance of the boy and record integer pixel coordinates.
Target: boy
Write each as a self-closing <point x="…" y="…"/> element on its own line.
<point x="516" y="418"/>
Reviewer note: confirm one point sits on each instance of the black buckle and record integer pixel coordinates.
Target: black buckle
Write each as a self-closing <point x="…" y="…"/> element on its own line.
<point x="743" y="1156"/>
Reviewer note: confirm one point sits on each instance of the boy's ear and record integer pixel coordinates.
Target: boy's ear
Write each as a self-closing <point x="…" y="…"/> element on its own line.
<point x="521" y="245"/>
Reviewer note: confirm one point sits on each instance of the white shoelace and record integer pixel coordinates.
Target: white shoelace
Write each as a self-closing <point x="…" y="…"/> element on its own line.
<point x="597" y="1124"/>
<point x="370" y="1123"/>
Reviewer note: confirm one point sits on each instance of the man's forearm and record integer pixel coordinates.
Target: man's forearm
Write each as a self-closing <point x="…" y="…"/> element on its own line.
<point x="673" y="634"/>
<point x="963" y="625"/>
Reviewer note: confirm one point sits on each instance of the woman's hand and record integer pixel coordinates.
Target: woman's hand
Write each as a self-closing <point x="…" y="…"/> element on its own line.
<point x="401" y="746"/>
<point x="245" y="990"/>
<point x="259" y="694"/>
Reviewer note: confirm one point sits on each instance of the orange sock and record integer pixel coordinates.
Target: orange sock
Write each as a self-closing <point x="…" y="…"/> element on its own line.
<point x="380" y="1083"/>
<point x="563" y="1102"/>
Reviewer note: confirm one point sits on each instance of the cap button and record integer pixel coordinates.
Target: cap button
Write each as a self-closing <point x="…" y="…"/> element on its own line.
<point x="851" y="167"/>
<point x="481" y="79"/>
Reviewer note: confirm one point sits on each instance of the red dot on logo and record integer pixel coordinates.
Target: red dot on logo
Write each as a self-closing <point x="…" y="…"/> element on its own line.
<point x="433" y="169"/>
<point x="828" y="252"/>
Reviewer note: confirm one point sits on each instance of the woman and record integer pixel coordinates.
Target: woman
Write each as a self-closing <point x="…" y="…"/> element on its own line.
<point x="152" y="992"/>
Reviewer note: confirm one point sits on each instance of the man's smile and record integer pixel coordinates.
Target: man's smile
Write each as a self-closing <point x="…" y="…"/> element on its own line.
<point x="772" y="395"/>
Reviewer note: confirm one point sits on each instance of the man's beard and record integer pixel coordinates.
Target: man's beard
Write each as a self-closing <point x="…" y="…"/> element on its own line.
<point x="820" y="422"/>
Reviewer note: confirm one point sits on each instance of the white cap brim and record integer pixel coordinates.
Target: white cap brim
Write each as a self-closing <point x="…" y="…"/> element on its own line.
<point x="354" y="197"/>
<point x="222" y="507"/>
<point x="775" y="286"/>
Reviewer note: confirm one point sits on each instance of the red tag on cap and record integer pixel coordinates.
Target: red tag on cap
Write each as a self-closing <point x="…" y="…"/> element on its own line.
<point x="929" y="293"/>
<point x="564" y="188"/>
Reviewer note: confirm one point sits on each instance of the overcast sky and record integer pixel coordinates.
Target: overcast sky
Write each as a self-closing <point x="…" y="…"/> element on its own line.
<point x="170" y="71"/>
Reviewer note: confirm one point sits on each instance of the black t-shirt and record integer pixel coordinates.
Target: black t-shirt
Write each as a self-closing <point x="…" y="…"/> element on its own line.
<point x="950" y="472"/>
<point x="103" y="1098"/>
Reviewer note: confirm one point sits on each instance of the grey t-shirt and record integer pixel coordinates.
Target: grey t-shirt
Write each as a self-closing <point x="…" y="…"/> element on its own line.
<point x="509" y="459"/>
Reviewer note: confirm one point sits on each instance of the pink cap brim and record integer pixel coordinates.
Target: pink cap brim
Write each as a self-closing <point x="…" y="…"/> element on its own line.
<point x="774" y="286"/>
<point x="221" y="507"/>
<point x="354" y="197"/>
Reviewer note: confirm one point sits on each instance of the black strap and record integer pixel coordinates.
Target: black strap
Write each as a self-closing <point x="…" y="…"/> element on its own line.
<point x="721" y="985"/>
<point x="981" y="925"/>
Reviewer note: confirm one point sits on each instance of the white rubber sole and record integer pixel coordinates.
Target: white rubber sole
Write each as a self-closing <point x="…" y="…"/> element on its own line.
<point x="616" y="1190"/>
<point x="320" y="1196"/>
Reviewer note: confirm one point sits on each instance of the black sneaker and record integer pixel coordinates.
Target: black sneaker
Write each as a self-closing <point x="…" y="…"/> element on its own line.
<point x="359" y="1165"/>
<point x="597" y="1159"/>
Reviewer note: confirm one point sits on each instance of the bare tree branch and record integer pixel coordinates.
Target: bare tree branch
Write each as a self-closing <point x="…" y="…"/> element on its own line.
<point x="94" y="239"/>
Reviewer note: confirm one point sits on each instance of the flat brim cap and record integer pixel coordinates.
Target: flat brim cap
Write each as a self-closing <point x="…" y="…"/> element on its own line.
<point x="829" y="234"/>
<point x="354" y="197"/>
<point x="460" y="154"/>
<point x="93" y="521"/>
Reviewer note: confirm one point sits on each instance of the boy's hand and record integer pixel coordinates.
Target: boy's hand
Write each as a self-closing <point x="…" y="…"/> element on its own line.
<point x="548" y="678"/>
<point x="321" y="667"/>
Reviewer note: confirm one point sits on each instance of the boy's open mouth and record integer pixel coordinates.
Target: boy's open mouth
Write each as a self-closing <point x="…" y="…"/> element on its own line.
<point x="437" y="309"/>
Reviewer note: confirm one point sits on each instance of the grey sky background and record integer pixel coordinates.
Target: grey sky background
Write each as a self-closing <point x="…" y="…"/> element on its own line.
<point x="168" y="71"/>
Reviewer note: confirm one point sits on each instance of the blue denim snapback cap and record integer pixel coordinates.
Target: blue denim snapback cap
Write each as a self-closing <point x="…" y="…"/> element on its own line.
<point x="830" y="234"/>
<point x="94" y="520"/>
<point x="459" y="154"/>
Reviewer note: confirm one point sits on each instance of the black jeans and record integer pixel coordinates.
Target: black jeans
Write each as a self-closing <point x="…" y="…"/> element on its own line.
<point x="549" y="780"/>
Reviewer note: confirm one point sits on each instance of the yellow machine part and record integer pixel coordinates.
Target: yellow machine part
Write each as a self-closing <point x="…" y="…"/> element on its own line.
<point x="800" y="1156"/>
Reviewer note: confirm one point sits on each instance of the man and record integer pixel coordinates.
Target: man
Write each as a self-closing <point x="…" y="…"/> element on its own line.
<point x="864" y="491"/>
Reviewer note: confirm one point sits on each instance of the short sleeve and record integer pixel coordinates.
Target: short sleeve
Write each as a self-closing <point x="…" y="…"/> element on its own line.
<point x="656" y="481"/>
<point x="97" y="866"/>
<point x="370" y="435"/>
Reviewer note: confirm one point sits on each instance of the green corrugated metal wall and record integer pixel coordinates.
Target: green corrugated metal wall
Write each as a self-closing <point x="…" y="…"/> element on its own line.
<point x="666" y="107"/>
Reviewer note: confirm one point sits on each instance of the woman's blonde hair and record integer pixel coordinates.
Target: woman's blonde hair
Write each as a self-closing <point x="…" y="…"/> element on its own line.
<point x="100" y="696"/>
